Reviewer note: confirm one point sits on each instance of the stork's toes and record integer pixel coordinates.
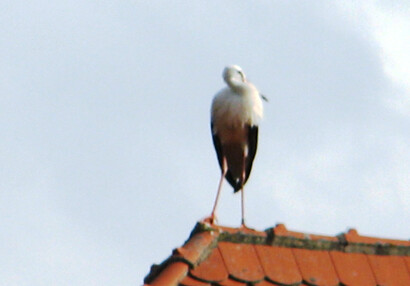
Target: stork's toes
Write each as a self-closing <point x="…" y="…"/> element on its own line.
<point x="211" y="219"/>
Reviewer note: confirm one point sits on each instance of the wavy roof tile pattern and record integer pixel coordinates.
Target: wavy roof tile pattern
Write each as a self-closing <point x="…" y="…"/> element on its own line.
<point x="222" y="256"/>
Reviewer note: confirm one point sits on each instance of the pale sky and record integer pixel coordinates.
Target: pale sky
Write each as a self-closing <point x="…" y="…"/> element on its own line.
<point x="106" y="155"/>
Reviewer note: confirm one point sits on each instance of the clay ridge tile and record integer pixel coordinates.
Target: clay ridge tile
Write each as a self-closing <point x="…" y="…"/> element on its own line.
<point x="197" y="248"/>
<point x="355" y="243"/>
<point x="350" y="242"/>
<point x="194" y="251"/>
<point x="353" y="236"/>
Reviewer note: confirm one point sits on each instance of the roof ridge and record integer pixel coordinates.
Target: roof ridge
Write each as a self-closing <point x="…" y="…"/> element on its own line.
<point x="350" y="242"/>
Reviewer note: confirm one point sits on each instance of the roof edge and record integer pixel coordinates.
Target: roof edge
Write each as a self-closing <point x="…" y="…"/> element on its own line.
<point x="280" y="236"/>
<point x="195" y="249"/>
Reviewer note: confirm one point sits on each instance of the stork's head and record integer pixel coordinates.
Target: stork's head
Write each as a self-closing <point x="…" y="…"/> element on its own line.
<point x="233" y="72"/>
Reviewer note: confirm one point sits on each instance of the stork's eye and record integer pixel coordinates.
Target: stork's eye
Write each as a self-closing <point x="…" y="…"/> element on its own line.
<point x="242" y="75"/>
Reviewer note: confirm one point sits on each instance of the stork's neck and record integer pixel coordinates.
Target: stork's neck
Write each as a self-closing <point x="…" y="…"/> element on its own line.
<point x="235" y="84"/>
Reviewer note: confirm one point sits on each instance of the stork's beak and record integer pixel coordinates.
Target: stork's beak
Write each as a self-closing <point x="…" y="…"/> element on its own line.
<point x="264" y="98"/>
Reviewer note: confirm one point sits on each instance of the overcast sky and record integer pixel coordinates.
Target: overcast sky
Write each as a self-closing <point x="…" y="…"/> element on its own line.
<point x="106" y="155"/>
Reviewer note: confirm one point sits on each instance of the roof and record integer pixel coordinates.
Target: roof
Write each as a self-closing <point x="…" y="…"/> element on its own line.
<point x="222" y="256"/>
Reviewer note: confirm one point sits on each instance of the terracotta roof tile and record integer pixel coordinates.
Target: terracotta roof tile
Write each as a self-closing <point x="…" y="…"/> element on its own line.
<point x="241" y="261"/>
<point x="279" y="264"/>
<point x="171" y="275"/>
<point x="281" y="230"/>
<point x="390" y="270"/>
<point x="231" y="282"/>
<point x="195" y="247"/>
<point x="353" y="236"/>
<point x="353" y="268"/>
<point x="263" y="283"/>
<point x="212" y="269"/>
<point x="407" y="260"/>
<point x="242" y="230"/>
<point x="188" y="281"/>
<point x="220" y="256"/>
<point x="316" y="267"/>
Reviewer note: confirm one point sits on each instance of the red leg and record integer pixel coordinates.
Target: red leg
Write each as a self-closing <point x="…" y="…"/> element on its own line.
<point x="243" y="208"/>
<point x="242" y="192"/>
<point x="223" y="173"/>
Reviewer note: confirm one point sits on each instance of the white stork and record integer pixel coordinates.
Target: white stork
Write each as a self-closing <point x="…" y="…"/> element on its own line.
<point x="235" y="114"/>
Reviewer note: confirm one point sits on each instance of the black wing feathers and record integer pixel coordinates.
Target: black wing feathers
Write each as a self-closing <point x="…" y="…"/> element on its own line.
<point x="252" y="146"/>
<point x="217" y="145"/>
<point x="219" y="154"/>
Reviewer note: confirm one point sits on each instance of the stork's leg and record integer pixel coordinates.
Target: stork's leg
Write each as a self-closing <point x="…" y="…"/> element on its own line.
<point x="242" y="192"/>
<point x="224" y="169"/>
<point x="243" y="208"/>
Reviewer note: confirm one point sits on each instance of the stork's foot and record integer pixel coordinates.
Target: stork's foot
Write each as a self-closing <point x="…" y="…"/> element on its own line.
<point x="211" y="219"/>
<point x="244" y="226"/>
